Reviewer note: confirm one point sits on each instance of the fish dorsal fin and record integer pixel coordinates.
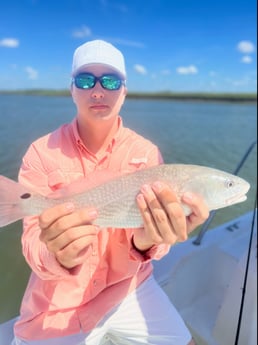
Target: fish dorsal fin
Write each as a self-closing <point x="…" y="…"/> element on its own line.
<point x="84" y="184"/>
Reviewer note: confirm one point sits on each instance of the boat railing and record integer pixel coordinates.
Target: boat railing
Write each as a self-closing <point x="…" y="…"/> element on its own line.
<point x="206" y="225"/>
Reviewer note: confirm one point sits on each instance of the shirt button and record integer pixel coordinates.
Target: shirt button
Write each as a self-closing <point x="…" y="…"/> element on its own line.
<point x="95" y="282"/>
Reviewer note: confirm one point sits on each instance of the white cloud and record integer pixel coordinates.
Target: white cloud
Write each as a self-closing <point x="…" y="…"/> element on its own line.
<point x="140" y="69"/>
<point x="246" y="59"/>
<point x="9" y="42"/>
<point x="187" y="70"/>
<point x="246" y="47"/>
<point x="84" y="31"/>
<point x="32" y="73"/>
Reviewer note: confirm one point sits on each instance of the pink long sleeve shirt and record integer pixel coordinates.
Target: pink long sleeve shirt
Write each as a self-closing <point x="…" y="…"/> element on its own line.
<point x="59" y="302"/>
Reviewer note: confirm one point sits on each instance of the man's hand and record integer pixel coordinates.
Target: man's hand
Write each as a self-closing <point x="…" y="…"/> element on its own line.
<point x="68" y="233"/>
<point x="163" y="216"/>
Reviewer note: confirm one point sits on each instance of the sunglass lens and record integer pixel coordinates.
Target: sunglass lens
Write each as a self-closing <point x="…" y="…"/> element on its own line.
<point x="85" y="81"/>
<point x="110" y="82"/>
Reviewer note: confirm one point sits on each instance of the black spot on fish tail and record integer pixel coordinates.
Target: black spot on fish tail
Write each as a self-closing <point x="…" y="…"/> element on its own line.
<point x="25" y="196"/>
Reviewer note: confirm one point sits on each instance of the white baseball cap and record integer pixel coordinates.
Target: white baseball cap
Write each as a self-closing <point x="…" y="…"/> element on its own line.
<point x="98" y="52"/>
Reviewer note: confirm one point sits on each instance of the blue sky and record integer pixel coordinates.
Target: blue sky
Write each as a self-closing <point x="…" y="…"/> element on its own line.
<point x="168" y="45"/>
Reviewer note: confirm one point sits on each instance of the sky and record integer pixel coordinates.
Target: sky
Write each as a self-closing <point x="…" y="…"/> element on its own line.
<point x="168" y="45"/>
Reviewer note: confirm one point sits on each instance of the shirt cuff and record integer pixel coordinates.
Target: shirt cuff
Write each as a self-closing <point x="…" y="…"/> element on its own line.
<point x="49" y="267"/>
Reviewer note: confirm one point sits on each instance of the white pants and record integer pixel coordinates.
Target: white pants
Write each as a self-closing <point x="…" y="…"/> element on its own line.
<point x="146" y="316"/>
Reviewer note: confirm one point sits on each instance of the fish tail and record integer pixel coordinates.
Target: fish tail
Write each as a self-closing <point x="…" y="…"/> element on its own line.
<point x="11" y="194"/>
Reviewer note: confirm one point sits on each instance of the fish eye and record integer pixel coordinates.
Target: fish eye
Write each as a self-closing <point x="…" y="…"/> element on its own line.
<point x="229" y="183"/>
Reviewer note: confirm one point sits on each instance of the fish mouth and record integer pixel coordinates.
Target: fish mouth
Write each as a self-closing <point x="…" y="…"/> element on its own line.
<point x="236" y="199"/>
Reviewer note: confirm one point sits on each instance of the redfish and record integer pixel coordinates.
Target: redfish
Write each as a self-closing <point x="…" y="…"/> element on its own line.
<point x="115" y="199"/>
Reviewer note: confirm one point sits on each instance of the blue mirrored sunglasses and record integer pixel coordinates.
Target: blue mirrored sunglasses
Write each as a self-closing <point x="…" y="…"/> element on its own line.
<point x="107" y="81"/>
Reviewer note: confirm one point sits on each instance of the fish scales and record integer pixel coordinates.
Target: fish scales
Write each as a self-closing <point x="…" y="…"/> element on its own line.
<point x="115" y="199"/>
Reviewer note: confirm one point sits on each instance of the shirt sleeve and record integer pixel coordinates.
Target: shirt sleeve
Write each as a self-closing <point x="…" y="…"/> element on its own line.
<point x="39" y="258"/>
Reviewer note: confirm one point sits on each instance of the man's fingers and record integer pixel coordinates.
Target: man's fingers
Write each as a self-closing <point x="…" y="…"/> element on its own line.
<point x="163" y="215"/>
<point x="200" y="211"/>
<point x="174" y="211"/>
<point x="58" y="219"/>
<point x="148" y="221"/>
<point x="50" y="215"/>
<point x="69" y="236"/>
<point x="73" y="254"/>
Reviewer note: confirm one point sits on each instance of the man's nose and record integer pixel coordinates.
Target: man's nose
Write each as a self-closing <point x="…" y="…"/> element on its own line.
<point x="97" y="91"/>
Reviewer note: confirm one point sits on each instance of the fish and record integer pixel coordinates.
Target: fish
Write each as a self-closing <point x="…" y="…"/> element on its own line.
<point x="115" y="197"/>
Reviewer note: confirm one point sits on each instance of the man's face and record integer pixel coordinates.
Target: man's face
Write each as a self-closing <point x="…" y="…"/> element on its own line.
<point x="97" y="103"/>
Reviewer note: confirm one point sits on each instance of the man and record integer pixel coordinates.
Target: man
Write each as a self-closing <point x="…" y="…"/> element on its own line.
<point x="91" y="285"/>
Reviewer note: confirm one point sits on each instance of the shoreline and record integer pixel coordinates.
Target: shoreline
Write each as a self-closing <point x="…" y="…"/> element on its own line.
<point x="185" y="96"/>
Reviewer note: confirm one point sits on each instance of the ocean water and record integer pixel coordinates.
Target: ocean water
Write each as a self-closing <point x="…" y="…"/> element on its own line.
<point x="206" y="133"/>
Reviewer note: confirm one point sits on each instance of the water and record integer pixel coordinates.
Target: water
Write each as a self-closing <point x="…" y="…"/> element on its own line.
<point x="211" y="134"/>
